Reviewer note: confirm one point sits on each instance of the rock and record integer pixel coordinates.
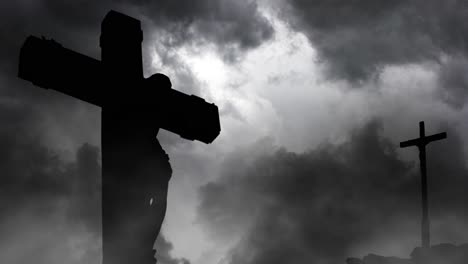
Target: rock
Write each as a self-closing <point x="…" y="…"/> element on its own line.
<point x="438" y="254"/>
<point x="376" y="259"/>
<point x="354" y="261"/>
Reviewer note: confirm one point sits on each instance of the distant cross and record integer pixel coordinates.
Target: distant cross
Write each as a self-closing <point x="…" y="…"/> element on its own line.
<point x="134" y="108"/>
<point x="421" y="143"/>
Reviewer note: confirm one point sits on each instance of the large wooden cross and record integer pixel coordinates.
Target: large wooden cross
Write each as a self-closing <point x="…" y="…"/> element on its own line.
<point x="421" y="143"/>
<point x="135" y="169"/>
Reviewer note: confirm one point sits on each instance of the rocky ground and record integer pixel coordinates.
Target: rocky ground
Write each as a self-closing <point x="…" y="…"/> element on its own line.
<point x="437" y="254"/>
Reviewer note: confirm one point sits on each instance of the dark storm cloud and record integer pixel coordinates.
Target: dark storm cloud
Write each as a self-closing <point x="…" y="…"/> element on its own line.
<point x="356" y="39"/>
<point x="454" y="80"/>
<point x="77" y="24"/>
<point x="39" y="190"/>
<point x="314" y="207"/>
<point x="233" y="25"/>
<point x="34" y="175"/>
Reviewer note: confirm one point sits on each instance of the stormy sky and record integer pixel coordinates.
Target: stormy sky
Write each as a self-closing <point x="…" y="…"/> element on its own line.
<point x="314" y="97"/>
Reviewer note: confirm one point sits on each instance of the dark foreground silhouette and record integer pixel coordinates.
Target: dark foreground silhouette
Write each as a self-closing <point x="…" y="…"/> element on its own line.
<point x="438" y="254"/>
<point x="135" y="169"/>
<point x="421" y="143"/>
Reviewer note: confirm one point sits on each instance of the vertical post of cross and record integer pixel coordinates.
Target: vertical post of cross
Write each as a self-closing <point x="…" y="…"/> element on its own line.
<point x="425" y="234"/>
<point x="122" y="132"/>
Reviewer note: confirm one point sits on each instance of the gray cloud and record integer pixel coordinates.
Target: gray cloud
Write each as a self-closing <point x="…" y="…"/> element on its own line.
<point x="320" y="205"/>
<point x="46" y="202"/>
<point x="164" y="247"/>
<point x="355" y="40"/>
<point x="454" y="81"/>
<point x="224" y="22"/>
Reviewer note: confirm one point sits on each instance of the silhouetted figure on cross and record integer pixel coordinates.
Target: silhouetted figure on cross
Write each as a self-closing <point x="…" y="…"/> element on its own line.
<point x="135" y="169"/>
<point x="421" y="143"/>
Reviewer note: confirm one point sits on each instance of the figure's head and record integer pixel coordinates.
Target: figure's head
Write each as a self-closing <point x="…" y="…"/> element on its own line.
<point x="154" y="93"/>
<point x="159" y="80"/>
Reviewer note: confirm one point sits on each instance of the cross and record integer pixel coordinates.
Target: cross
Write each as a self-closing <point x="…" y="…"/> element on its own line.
<point x="421" y="143"/>
<point x="135" y="169"/>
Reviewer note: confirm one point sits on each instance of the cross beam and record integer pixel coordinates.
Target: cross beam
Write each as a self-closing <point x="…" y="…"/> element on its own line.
<point x="421" y="143"/>
<point x="135" y="169"/>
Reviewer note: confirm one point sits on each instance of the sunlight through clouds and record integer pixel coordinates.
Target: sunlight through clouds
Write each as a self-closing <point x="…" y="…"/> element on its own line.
<point x="244" y="92"/>
<point x="279" y="91"/>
